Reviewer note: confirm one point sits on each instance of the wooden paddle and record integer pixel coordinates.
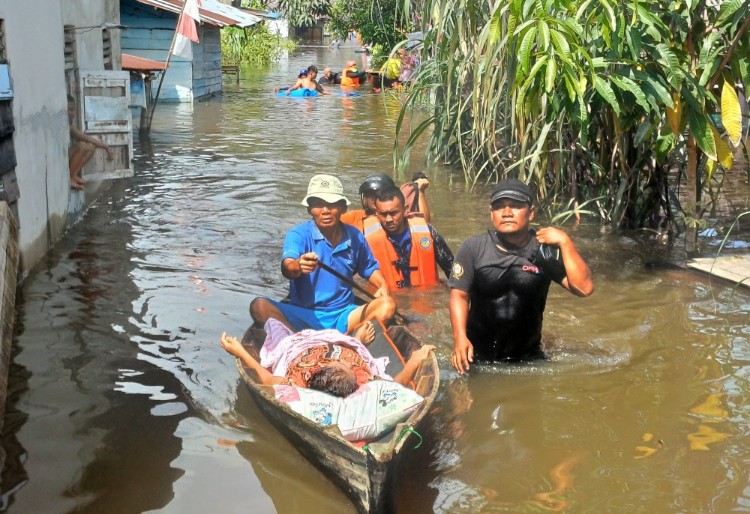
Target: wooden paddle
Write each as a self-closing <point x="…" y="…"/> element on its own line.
<point x="357" y="287"/>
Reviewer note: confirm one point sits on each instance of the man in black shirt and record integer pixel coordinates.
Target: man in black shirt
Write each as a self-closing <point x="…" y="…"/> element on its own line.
<point x="500" y="280"/>
<point x="329" y="78"/>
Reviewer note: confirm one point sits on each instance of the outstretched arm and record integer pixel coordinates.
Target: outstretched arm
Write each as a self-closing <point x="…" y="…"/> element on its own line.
<point x="293" y="268"/>
<point x="296" y="85"/>
<point x="80" y="135"/>
<point x="410" y="368"/>
<point x="578" y="279"/>
<point x="233" y="346"/>
<point x="320" y="89"/>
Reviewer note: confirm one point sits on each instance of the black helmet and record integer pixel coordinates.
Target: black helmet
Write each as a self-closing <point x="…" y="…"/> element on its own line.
<point x="374" y="183"/>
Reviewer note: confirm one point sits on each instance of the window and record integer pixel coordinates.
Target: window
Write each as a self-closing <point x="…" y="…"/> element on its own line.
<point x="6" y="92"/>
<point x="3" y="55"/>
<point x="70" y="48"/>
<point x="107" y="49"/>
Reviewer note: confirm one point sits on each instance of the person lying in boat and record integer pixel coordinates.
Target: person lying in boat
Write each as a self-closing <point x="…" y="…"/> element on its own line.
<point x="368" y="191"/>
<point x="308" y="82"/>
<point x="324" y="360"/>
<point x="318" y="298"/>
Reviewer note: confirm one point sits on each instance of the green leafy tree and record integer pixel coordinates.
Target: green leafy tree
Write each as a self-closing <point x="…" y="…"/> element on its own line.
<point x="251" y="45"/>
<point x="304" y="13"/>
<point x="379" y="22"/>
<point x="595" y="102"/>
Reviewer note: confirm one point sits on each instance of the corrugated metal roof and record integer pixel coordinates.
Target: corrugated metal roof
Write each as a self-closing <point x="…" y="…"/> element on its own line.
<point x="133" y="62"/>
<point x="212" y="12"/>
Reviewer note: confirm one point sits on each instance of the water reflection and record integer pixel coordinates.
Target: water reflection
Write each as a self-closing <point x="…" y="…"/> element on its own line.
<point x="81" y="395"/>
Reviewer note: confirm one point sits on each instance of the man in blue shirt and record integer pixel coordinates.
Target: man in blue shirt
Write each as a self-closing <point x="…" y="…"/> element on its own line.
<point x="317" y="298"/>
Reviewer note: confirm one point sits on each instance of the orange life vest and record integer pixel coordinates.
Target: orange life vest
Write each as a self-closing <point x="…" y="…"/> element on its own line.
<point x="355" y="219"/>
<point x="422" y="263"/>
<point x="349" y="81"/>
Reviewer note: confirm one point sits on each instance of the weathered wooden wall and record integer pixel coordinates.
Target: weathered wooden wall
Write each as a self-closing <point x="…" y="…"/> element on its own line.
<point x="8" y="274"/>
<point x="149" y="34"/>
<point x="8" y="183"/>
<point x="207" y="63"/>
<point x="9" y="247"/>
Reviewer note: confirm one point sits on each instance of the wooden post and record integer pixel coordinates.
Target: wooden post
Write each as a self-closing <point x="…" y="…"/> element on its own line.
<point x="8" y="274"/>
<point x="693" y="197"/>
<point x="166" y="64"/>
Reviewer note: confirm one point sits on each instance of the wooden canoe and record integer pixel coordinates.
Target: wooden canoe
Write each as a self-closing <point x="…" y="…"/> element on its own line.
<point x="367" y="475"/>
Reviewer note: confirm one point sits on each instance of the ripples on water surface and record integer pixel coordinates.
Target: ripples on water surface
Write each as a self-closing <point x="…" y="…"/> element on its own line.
<point x="122" y="401"/>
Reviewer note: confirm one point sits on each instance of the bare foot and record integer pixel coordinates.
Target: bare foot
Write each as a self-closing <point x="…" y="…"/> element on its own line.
<point x="77" y="182"/>
<point x="365" y="333"/>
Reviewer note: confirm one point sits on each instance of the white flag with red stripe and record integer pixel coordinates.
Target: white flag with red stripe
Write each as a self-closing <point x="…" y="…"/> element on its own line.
<point x="187" y="31"/>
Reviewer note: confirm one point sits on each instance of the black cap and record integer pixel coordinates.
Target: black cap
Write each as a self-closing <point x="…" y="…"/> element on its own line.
<point x="513" y="189"/>
<point x="374" y="183"/>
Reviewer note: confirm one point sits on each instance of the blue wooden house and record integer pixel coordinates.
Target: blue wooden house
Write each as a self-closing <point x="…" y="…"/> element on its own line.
<point x="150" y="28"/>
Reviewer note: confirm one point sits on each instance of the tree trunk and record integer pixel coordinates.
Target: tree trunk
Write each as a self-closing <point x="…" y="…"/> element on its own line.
<point x="691" y="230"/>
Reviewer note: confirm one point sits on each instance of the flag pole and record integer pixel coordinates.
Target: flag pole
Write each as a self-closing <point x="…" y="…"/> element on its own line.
<point x="166" y="64"/>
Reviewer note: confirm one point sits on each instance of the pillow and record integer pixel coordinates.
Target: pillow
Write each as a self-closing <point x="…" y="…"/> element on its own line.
<point x="369" y="413"/>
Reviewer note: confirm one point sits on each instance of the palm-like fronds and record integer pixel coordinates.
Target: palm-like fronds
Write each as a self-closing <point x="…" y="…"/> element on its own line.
<point x="582" y="98"/>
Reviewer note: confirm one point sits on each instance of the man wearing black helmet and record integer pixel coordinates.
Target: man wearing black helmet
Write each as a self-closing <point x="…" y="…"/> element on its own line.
<point x="500" y="280"/>
<point x="408" y="249"/>
<point x="368" y="192"/>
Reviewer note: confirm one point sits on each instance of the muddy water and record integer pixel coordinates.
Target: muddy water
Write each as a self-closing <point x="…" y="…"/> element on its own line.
<point x="122" y="401"/>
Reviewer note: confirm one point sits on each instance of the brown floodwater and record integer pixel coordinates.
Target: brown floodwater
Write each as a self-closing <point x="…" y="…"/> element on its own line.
<point x="122" y="401"/>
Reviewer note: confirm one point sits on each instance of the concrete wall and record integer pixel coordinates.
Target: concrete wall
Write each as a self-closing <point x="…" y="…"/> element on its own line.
<point x="280" y="27"/>
<point x="34" y="40"/>
<point x="41" y="121"/>
<point x="87" y="16"/>
<point x="86" y="19"/>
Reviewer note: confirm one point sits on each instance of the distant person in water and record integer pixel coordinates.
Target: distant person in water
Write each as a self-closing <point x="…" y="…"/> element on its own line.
<point x="308" y="82"/>
<point x="302" y="73"/>
<point x="351" y="76"/>
<point x="329" y="77"/>
<point x="389" y="73"/>
<point x="407" y="65"/>
<point x="82" y="148"/>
